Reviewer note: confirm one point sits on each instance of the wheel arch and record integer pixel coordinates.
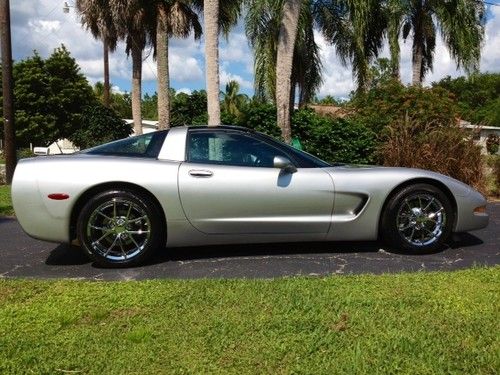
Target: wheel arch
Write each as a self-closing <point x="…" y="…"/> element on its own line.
<point x="114" y="185"/>
<point x="438" y="184"/>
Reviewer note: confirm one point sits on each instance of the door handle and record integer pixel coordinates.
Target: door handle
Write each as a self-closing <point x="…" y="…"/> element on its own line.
<point x="200" y="173"/>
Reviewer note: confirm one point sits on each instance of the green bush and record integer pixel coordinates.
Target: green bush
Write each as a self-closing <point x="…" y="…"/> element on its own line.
<point x="390" y="102"/>
<point x="334" y="140"/>
<point x="101" y="125"/>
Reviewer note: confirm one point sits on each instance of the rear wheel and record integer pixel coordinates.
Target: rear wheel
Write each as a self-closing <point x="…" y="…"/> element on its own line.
<point x="120" y="228"/>
<point x="418" y="219"/>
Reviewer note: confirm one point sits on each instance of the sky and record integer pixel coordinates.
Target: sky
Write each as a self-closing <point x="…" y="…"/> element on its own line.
<point x="42" y="25"/>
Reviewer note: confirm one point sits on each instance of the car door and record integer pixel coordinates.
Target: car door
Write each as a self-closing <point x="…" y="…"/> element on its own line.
<point x="228" y="185"/>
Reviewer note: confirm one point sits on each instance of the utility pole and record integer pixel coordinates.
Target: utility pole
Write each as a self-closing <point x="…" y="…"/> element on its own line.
<point x="8" y="95"/>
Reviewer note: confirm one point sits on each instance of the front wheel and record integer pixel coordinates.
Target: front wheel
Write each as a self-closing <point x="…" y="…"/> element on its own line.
<point x="418" y="219"/>
<point x="120" y="228"/>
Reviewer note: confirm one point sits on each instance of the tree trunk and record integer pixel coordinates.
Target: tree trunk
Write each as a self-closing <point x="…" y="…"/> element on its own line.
<point x="418" y="47"/>
<point x="106" y="94"/>
<point x="211" y="14"/>
<point x="417" y="60"/>
<point x="8" y="95"/>
<point x="284" y="63"/>
<point x="136" y="88"/>
<point x="163" y="77"/>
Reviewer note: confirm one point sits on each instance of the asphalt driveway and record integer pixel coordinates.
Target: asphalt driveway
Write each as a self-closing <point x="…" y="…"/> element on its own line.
<point x="21" y="256"/>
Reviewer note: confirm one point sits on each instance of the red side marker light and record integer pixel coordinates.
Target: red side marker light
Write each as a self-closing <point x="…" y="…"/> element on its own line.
<point x="58" y="196"/>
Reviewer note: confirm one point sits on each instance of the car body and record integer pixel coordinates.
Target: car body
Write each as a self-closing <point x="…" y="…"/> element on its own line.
<point x="229" y="185"/>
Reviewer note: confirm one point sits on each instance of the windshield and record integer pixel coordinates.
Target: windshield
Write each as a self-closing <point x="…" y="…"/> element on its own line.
<point x="145" y="146"/>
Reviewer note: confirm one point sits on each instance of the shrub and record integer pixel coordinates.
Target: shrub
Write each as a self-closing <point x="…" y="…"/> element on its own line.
<point x="389" y="102"/>
<point x="441" y="147"/>
<point x="492" y="144"/>
<point x="334" y="140"/>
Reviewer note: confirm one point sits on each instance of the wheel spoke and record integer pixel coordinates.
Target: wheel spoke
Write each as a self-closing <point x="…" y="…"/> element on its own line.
<point x="135" y="242"/>
<point x="112" y="245"/>
<point x="428" y="204"/>
<point x="121" y="247"/>
<point x="105" y="216"/>
<point x="102" y="237"/>
<point x="138" y="219"/>
<point x="128" y="211"/>
<point x="137" y="231"/>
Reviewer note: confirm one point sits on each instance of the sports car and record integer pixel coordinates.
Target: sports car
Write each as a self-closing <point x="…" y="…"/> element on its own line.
<point x="229" y="185"/>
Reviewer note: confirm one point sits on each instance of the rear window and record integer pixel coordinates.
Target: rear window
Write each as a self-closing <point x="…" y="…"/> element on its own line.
<point x="142" y="146"/>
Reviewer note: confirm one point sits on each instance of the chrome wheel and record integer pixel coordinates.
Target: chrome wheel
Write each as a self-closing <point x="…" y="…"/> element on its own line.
<point x="421" y="219"/>
<point x="118" y="229"/>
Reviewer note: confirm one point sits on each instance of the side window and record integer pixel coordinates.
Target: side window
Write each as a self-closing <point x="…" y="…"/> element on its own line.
<point x="230" y="148"/>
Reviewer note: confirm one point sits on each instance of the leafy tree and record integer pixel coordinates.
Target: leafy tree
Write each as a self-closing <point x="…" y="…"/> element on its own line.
<point x="149" y="107"/>
<point x="101" y="125"/>
<point x="49" y="98"/>
<point x="478" y="97"/>
<point x="189" y="109"/>
<point x="233" y="101"/>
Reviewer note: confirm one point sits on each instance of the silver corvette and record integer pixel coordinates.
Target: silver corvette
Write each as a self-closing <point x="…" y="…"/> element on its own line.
<point x="199" y="186"/>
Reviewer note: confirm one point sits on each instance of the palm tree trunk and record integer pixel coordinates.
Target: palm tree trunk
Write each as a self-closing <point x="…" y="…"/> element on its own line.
<point x="284" y="62"/>
<point x="163" y="77"/>
<point x="136" y="88"/>
<point x="395" y="53"/>
<point x="106" y="94"/>
<point x="418" y="47"/>
<point x="417" y="60"/>
<point x="211" y="14"/>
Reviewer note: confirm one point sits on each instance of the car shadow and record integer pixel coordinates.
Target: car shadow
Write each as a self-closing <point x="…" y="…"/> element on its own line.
<point x="73" y="255"/>
<point x="67" y="255"/>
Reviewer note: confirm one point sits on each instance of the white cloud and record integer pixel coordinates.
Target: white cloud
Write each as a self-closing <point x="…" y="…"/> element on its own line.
<point x="185" y="90"/>
<point x="225" y="77"/>
<point x="490" y="59"/>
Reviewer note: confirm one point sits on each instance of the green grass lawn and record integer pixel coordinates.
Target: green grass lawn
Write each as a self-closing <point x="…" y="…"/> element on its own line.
<point x="420" y="323"/>
<point x="5" y="201"/>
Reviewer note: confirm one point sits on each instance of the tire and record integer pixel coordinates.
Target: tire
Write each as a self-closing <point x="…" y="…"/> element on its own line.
<point x="417" y="220"/>
<point x="120" y="228"/>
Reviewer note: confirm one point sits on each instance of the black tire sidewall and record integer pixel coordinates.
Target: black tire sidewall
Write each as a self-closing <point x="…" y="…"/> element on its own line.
<point x="390" y="232"/>
<point x="157" y="231"/>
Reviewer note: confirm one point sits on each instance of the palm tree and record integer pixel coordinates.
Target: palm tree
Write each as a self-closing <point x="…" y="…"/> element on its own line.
<point x="211" y="14"/>
<point x="97" y="18"/>
<point x="233" y="101"/>
<point x="173" y="19"/>
<point x="395" y="12"/>
<point x="461" y="24"/>
<point x="356" y="29"/>
<point x="220" y="16"/>
<point x="284" y="65"/>
<point x="131" y="19"/>
<point x="262" y="25"/>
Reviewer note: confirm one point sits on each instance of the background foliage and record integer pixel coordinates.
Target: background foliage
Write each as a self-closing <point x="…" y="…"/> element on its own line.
<point x="101" y="125"/>
<point x="49" y="98"/>
<point x="477" y="97"/>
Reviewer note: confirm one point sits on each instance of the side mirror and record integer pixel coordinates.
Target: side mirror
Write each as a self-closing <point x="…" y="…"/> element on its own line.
<point x="284" y="164"/>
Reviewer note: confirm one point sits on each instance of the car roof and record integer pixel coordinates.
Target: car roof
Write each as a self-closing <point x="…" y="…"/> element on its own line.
<point x="225" y="127"/>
